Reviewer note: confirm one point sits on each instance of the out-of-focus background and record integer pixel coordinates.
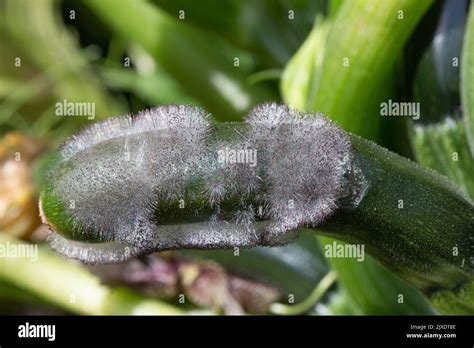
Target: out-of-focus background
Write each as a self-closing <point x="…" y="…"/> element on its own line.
<point x="343" y="58"/>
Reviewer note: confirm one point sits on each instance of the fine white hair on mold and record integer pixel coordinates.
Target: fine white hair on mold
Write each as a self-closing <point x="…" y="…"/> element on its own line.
<point x="169" y="179"/>
<point x="307" y="161"/>
<point x="193" y="121"/>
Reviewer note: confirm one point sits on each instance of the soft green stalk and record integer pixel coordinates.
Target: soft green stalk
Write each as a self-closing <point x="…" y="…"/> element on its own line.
<point x="201" y="62"/>
<point x="364" y="41"/>
<point x="334" y="6"/>
<point x="304" y="68"/>
<point x="306" y="305"/>
<point x="148" y="81"/>
<point x="467" y="79"/>
<point x="154" y="89"/>
<point x="71" y="286"/>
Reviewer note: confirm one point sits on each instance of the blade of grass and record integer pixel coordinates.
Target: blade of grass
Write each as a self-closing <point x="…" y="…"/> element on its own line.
<point x="148" y="80"/>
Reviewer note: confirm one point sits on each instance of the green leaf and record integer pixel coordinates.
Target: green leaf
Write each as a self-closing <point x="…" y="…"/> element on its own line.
<point x="443" y="147"/>
<point x="201" y="62"/>
<point x="458" y="301"/>
<point x="363" y="43"/>
<point x="438" y="135"/>
<point x="368" y="288"/>
<point x="262" y="26"/>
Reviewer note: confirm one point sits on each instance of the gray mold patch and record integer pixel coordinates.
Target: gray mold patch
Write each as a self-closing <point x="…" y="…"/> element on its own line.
<point x="282" y="170"/>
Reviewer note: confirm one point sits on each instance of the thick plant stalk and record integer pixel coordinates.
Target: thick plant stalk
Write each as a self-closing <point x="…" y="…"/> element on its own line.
<point x="411" y="219"/>
<point x="428" y="244"/>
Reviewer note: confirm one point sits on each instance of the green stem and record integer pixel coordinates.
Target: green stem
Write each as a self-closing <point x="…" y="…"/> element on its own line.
<point x="467" y="78"/>
<point x="308" y="303"/>
<point x="70" y="286"/>
<point x="411" y="219"/>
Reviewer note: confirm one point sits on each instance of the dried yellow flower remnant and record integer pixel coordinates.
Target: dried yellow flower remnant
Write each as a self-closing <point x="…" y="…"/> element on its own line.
<point x="18" y="200"/>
